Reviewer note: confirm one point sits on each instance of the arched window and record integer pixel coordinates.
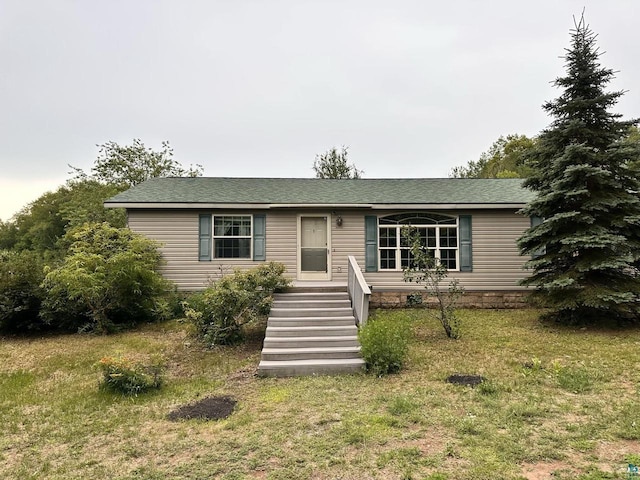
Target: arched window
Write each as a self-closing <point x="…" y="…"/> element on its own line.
<point x="439" y="233"/>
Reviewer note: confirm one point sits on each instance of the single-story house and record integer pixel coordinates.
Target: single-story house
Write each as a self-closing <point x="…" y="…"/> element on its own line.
<point x="209" y="226"/>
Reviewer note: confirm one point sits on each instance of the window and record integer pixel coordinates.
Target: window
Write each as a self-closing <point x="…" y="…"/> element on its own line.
<point x="232" y="236"/>
<point x="439" y="233"/>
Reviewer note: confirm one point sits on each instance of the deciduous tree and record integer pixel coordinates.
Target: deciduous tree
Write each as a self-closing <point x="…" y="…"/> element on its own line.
<point x="128" y="165"/>
<point x="41" y="225"/>
<point x="334" y="164"/>
<point x="506" y="158"/>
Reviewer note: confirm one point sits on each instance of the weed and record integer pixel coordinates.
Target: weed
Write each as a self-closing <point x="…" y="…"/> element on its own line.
<point x="575" y="380"/>
<point x="532" y="366"/>
<point x="130" y="377"/>
<point x="384" y="345"/>
<point x="633" y="458"/>
<point x="488" y="388"/>
<point x="627" y="421"/>
<point x="401" y="405"/>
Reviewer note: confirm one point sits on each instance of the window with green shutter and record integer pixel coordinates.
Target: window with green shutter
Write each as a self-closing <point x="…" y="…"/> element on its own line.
<point x="232" y="236"/>
<point x="447" y="238"/>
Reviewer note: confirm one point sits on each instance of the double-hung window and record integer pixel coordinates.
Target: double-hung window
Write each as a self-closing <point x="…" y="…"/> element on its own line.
<point x="232" y="236"/>
<point x="438" y="233"/>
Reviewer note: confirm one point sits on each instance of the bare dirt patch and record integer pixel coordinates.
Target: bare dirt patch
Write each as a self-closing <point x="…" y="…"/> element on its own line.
<point x="468" y="380"/>
<point x="210" y="408"/>
<point x="544" y="470"/>
<point x="243" y="376"/>
<point x="616" y="451"/>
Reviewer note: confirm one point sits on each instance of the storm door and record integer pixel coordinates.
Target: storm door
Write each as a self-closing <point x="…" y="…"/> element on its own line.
<point x="314" y="254"/>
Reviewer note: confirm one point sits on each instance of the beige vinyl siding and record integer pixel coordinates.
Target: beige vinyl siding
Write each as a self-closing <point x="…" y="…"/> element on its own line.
<point x="347" y="239"/>
<point x="281" y="240"/>
<point x="177" y="233"/>
<point x="497" y="263"/>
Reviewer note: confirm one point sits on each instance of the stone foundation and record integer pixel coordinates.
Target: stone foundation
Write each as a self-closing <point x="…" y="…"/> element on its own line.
<point x="470" y="299"/>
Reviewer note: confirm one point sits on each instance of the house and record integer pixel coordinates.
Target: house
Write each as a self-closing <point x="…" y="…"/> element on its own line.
<point x="209" y="226"/>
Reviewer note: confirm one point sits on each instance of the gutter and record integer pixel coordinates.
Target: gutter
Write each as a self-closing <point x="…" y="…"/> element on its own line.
<point x="271" y="206"/>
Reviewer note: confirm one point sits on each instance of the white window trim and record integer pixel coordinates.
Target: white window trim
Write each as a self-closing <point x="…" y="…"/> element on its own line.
<point x="214" y="237"/>
<point x="398" y="248"/>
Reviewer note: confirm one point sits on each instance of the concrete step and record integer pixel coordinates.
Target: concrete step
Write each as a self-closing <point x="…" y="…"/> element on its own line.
<point x="311" y="342"/>
<point x="312" y="296"/>
<point x="314" y="303"/>
<point x="316" y="289"/>
<point x="290" y="368"/>
<point x="307" y="321"/>
<point x="310" y="312"/>
<point x="310" y="353"/>
<point x="311" y="331"/>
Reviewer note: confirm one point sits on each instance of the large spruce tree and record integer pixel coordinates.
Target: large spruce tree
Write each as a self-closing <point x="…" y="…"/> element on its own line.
<point x="586" y="246"/>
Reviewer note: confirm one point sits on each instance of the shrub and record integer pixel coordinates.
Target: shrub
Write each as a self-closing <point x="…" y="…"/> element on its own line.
<point x="414" y="299"/>
<point x="385" y="344"/>
<point x="268" y="277"/>
<point x="110" y="279"/>
<point x="21" y="274"/>
<point x="130" y="377"/>
<point x="220" y="312"/>
<point x="424" y="269"/>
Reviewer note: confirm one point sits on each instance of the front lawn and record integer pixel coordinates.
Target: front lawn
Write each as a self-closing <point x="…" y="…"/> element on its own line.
<point x="561" y="401"/>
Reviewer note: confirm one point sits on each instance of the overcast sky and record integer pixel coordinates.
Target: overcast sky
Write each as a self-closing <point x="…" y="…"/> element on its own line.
<point x="259" y="88"/>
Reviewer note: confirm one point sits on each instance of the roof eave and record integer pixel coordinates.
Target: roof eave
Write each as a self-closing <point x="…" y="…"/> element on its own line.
<point x="268" y="206"/>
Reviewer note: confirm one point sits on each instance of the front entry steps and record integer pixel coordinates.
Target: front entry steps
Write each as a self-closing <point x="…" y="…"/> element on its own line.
<point x="311" y="333"/>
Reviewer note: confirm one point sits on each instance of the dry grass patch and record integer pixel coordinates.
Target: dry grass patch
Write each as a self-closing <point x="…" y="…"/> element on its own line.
<point x="572" y="415"/>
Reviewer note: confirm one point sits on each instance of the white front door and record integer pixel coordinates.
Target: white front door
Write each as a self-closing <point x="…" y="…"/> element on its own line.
<point x="314" y="252"/>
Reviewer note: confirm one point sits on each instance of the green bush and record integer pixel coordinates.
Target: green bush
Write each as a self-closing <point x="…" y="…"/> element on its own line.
<point x="385" y="344"/>
<point x="21" y="274"/>
<point x="220" y="312"/>
<point x="130" y="377"/>
<point x="109" y="280"/>
<point x="414" y="299"/>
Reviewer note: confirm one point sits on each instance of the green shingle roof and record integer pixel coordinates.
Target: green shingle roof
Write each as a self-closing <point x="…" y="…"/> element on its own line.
<point x="314" y="191"/>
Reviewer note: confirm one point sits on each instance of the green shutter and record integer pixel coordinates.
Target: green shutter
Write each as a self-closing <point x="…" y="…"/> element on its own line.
<point x="204" y="236"/>
<point x="371" y="243"/>
<point x="466" y="252"/>
<point x="260" y="237"/>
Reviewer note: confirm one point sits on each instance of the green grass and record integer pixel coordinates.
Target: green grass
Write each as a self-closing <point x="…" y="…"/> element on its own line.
<point x="559" y="402"/>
